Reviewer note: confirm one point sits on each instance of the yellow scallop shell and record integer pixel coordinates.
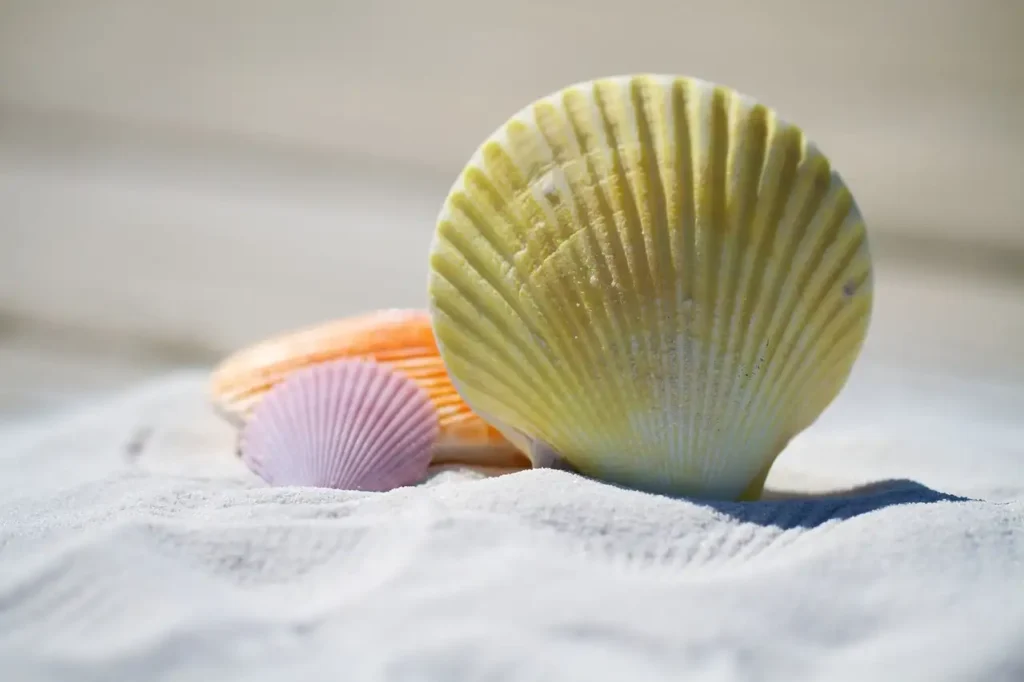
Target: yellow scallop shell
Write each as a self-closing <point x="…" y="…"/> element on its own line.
<point x="652" y="278"/>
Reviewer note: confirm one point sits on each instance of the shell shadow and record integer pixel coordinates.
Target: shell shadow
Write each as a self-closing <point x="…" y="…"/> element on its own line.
<point x="787" y="510"/>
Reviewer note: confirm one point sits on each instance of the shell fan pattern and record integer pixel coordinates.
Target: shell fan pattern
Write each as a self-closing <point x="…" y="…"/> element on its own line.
<point x="400" y="339"/>
<point x="654" y="279"/>
<point x="345" y="424"/>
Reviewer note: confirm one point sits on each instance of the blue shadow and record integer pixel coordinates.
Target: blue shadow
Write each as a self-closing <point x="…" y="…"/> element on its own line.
<point x="801" y="510"/>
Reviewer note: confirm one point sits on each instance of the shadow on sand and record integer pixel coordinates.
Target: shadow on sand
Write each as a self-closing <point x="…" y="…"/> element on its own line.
<point x="787" y="510"/>
<point x="798" y="509"/>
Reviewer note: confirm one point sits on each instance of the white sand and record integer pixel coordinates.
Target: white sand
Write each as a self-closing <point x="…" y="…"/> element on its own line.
<point x="134" y="547"/>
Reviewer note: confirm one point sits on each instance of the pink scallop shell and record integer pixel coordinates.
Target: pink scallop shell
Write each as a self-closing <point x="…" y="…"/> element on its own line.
<point x="349" y="424"/>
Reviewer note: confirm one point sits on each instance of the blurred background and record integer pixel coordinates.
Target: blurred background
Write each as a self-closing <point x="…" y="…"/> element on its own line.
<point x="179" y="178"/>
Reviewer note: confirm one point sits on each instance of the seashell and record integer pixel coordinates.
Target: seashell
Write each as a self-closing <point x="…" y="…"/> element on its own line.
<point x="653" y="280"/>
<point x="400" y="339"/>
<point x="346" y="424"/>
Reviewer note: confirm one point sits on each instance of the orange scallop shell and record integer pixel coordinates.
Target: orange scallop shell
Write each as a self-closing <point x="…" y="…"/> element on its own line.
<point x="402" y="339"/>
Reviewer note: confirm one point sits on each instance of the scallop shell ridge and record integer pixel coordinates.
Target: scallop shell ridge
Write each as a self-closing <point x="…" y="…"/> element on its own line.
<point x="399" y="338"/>
<point x="654" y="277"/>
<point x="345" y="424"/>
